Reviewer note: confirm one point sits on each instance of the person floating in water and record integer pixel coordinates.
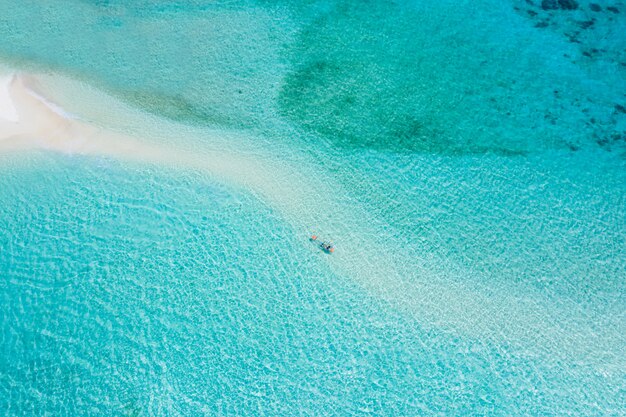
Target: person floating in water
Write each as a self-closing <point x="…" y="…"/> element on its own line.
<point x="327" y="247"/>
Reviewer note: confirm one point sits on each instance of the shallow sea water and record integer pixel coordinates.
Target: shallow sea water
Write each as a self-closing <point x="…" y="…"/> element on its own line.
<point x="132" y="291"/>
<point x="468" y="163"/>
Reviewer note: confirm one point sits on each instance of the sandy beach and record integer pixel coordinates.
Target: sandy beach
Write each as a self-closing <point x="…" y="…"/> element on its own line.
<point x="29" y="121"/>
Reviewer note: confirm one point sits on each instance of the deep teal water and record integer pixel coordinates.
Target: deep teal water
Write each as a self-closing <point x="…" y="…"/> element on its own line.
<point x="482" y="142"/>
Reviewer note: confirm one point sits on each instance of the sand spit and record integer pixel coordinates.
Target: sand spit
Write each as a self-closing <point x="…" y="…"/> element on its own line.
<point x="43" y="125"/>
<point x="8" y="113"/>
<point x="29" y="121"/>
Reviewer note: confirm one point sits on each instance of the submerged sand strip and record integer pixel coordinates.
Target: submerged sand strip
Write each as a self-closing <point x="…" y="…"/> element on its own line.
<point x="498" y="316"/>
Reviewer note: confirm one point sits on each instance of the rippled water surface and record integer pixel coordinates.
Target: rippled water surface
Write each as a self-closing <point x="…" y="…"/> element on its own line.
<point x="467" y="158"/>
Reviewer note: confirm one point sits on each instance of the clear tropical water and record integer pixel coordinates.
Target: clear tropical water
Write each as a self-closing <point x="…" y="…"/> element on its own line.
<point x="468" y="159"/>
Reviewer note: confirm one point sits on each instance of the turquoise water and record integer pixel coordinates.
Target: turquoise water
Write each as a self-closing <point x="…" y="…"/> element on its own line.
<point x="467" y="158"/>
<point x="134" y="292"/>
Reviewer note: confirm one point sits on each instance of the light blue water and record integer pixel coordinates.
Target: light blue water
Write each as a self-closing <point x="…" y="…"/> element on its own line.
<point x="132" y="292"/>
<point x="482" y="146"/>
